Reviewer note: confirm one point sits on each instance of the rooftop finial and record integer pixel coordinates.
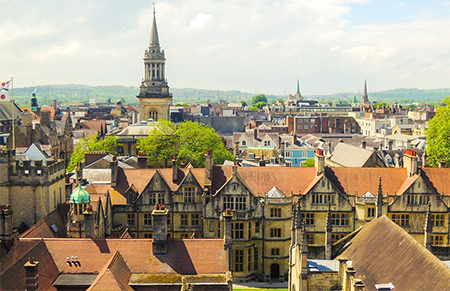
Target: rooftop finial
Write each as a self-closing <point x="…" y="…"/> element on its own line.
<point x="154" y="10"/>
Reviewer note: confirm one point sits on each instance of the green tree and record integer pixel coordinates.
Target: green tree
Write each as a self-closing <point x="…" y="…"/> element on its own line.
<point x="258" y="98"/>
<point x="243" y="103"/>
<point x="189" y="140"/>
<point x="309" y="163"/>
<point x="92" y="144"/>
<point x="260" y="105"/>
<point x="438" y="137"/>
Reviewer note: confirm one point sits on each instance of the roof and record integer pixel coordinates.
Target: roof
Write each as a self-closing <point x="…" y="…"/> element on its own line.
<point x="79" y="195"/>
<point x="348" y="155"/>
<point x="51" y="226"/>
<point x="383" y="252"/>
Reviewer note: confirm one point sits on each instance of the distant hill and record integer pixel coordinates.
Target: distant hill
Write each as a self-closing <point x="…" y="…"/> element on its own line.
<point x="66" y="94"/>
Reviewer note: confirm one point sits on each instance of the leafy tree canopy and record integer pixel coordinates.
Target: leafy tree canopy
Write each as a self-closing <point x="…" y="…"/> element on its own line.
<point x="438" y="137"/>
<point x="189" y="140"/>
<point x="92" y="144"/>
<point x="243" y="103"/>
<point x="260" y="105"/>
<point x="258" y="98"/>
<point x="309" y="163"/>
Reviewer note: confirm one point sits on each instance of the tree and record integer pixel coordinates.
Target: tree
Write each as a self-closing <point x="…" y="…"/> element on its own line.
<point x="189" y="140"/>
<point x="92" y="144"/>
<point x="243" y="103"/>
<point x="258" y="98"/>
<point x="309" y="163"/>
<point x="438" y="137"/>
<point x="260" y="105"/>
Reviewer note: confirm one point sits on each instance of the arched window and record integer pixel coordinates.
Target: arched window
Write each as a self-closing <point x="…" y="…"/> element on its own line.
<point x="153" y="114"/>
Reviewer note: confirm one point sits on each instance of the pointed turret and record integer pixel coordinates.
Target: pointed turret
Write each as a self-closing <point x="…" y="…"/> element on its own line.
<point x="154" y="39"/>
<point x="428" y="228"/>
<point x="298" y="95"/>
<point x="379" y="199"/>
<point x="328" y="231"/>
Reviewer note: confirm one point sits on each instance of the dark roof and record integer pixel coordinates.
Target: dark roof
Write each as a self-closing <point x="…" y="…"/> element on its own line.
<point x="382" y="252"/>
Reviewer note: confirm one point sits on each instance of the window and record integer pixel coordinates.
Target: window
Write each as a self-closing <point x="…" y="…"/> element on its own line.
<point x="288" y="154"/>
<point x="275" y="212"/>
<point x="267" y="143"/>
<point x="147" y="219"/>
<point x="418" y="199"/>
<point x="340" y="219"/>
<point x="313" y="121"/>
<point x="244" y="143"/>
<point x="310" y="238"/>
<point x="275" y="232"/>
<point x="300" y="127"/>
<point x="249" y="230"/>
<point x="371" y="212"/>
<point x="148" y="235"/>
<point x="306" y="120"/>
<point x="241" y="203"/>
<point x="211" y="226"/>
<point x="195" y="219"/>
<point x="168" y="219"/>
<point x="401" y="219"/>
<point x="308" y="218"/>
<point x="288" y="164"/>
<point x="300" y="120"/>
<point x="304" y="154"/>
<point x="257" y="226"/>
<point x="237" y="230"/>
<point x="438" y="219"/>
<point x="275" y="252"/>
<point x="255" y="259"/>
<point x="189" y="194"/>
<point x="228" y="202"/>
<point x="306" y="127"/>
<point x="323" y="198"/>
<point x="156" y="198"/>
<point x="184" y="220"/>
<point x="130" y="219"/>
<point x="437" y="240"/>
<point x="238" y="260"/>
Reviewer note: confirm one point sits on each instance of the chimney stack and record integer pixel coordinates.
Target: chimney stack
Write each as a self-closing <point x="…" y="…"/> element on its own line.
<point x="410" y="162"/>
<point x="364" y="144"/>
<point x="89" y="227"/>
<point x="31" y="275"/>
<point x="262" y="162"/>
<point x="79" y="171"/>
<point x="114" y="164"/>
<point x="255" y="133"/>
<point x="442" y="163"/>
<point x="236" y="149"/>
<point x="159" y="216"/>
<point x="320" y="162"/>
<point x="142" y="160"/>
<point x="283" y="149"/>
<point x="390" y="143"/>
<point x="208" y="168"/>
<point x="174" y="169"/>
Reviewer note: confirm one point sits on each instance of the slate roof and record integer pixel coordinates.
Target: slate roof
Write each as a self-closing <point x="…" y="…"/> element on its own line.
<point x="348" y="155"/>
<point x="382" y="252"/>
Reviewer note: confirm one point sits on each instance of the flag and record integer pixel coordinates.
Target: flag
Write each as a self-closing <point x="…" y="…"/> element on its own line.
<point x="4" y="92"/>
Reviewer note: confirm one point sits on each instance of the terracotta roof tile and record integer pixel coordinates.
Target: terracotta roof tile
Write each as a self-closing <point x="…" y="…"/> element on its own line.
<point x="137" y="177"/>
<point x="43" y="228"/>
<point x="439" y="178"/>
<point x="114" y="276"/>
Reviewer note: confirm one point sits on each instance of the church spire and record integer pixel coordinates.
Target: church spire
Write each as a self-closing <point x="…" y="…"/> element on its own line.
<point x="154" y="39"/>
<point x="365" y="97"/>
<point x="298" y="86"/>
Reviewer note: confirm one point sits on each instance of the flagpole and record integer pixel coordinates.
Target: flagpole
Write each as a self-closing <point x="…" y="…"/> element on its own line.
<point x="13" y="114"/>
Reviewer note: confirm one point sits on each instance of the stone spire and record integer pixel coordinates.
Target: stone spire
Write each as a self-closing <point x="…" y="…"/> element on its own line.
<point x="154" y="39"/>
<point x="428" y="228"/>
<point x="298" y="95"/>
<point x="365" y="97"/>
<point x="379" y="198"/>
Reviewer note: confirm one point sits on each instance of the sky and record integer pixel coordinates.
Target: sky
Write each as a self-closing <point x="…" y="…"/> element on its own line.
<point x="255" y="46"/>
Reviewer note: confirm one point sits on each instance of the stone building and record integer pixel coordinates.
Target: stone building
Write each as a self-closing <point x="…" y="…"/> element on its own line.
<point x="33" y="188"/>
<point x="154" y="97"/>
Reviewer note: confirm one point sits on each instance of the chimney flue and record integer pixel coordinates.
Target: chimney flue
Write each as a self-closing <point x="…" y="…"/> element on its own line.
<point x="159" y="216"/>
<point x="174" y="169"/>
<point x="31" y="275"/>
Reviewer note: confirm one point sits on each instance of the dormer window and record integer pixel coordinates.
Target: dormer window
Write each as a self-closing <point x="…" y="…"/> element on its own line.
<point x="244" y="143"/>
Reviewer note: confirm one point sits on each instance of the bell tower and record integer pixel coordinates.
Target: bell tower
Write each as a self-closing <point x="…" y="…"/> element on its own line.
<point x="154" y="96"/>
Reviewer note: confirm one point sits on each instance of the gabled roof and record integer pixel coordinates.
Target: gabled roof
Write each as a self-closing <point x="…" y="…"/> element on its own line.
<point x="51" y="226"/>
<point x="361" y="180"/>
<point x="114" y="276"/>
<point x="383" y="252"/>
<point x="348" y="155"/>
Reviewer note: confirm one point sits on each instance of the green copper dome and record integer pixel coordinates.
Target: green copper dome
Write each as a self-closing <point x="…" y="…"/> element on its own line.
<point x="79" y="195"/>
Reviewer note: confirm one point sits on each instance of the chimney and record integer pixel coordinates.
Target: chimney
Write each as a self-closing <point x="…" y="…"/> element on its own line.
<point x="283" y="149"/>
<point x="234" y="168"/>
<point x="89" y="226"/>
<point x="174" y="169"/>
<point x="29" y="129"/>
<point x="31" y="275"/>
<point x="255" y="133"/>
<point x="114" y="169"/>
<point x="27" y="118"/>
<point x="390" y="143"/>
<point x="208" y="168"/>
<point x="320" y="162"/>
<point x="45" y="116"/>
<point x="410" y="162"/>
<point x="328" y="231"/>
<point x="142" y="160"/>
<point x="364" y="144"/>
<point x="159" y="216"/>
<point x="262" y="162"/>
<point x="428" y="228"/>
<point x="227" y="216"/>
<point x="408" y="144"/>
<point x="236" y="149"/>
<point x="7" y="224"/>
<point x="442" y="163"/>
